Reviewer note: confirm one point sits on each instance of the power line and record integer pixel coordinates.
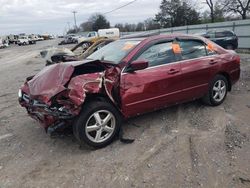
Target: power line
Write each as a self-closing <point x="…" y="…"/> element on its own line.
<point x="120" y="7"/>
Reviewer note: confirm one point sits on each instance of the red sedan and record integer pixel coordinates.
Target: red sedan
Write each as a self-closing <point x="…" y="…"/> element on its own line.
<point x="126" y="78"/>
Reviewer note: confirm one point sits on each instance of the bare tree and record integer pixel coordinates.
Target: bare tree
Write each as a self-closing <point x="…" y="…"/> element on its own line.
<point x="210" y="3"/>
<point x="238" y="6"/>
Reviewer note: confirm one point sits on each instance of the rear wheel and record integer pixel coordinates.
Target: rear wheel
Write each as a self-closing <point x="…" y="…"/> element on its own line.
<point x="217" y="91"/>
<point x="98" y="124"/>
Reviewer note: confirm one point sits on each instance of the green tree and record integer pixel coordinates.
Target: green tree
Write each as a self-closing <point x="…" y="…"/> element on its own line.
<point x="99" y="22"/>
<point x="140" y="27"/>
<point x="86" y="26"/>
<point x="151" y="24"/>
<point x="120" y="26"/>
<point x="176" y="13"/>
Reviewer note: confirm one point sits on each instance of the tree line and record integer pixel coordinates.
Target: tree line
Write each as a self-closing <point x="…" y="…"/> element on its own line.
<point x="174" y="13"/>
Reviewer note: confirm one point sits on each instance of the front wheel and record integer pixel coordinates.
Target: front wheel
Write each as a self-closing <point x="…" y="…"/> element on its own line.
<point x="98" y="124"/>
<point x="217" y="91"/>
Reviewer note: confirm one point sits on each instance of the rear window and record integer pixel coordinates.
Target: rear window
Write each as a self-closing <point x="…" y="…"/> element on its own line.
<point x="211" y="34"/>
<point x="222" y="34"/>
<point x="191" y="49"/>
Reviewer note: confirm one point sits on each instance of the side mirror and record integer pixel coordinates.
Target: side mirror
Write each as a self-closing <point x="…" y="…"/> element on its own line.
<point x="137" y="65"/>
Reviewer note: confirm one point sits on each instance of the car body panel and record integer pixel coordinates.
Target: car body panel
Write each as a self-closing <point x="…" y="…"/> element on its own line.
<point x="58" y="55"/>
<point x="151" y="88"/>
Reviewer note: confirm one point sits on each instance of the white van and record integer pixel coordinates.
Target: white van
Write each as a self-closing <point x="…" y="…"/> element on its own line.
<point x="109" y="33"/>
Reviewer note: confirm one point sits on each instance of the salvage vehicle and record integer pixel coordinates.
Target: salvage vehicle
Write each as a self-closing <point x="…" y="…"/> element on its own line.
<point x="126" y="78"/>
<point x="4" y="43"/>
<point x="225" y="38"/>
<point x="32" y="40"/>
<point x="78" y="52"/>
<point x="69" y="39"/>
<point x="23" y="40"/>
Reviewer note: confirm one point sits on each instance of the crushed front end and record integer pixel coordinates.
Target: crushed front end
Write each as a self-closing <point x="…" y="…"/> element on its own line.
<point x="47" y="115"/>
<point x="54" y="97"/>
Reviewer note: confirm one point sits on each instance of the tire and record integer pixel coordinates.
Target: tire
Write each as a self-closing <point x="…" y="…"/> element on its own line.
<point x="91" y="128"/>
<point x="217" y="92"/>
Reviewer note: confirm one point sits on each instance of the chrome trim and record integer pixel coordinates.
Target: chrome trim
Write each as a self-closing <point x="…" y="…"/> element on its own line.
<point x="181" y="61"/>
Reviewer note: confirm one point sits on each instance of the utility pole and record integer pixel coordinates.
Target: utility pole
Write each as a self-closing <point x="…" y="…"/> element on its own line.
<point x="74" y="12"/>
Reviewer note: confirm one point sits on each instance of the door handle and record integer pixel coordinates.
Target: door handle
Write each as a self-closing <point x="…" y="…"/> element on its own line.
<point x="212" y="62"/>
<point x="173" y="71"/>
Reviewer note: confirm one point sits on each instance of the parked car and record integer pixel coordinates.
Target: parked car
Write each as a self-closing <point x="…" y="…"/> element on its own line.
<point x="23" y="40"/>
<point x="69" y="39"/>
<point x="4" y="43"/>
<point x="40" y="38"/>
<point x="226" y="39"/>
<point x="126" y="78"/>
<point x="32" y="40"/>
<point x="78" y="52"/>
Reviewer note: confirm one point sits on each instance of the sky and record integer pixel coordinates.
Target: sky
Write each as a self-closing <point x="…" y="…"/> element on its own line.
<point x="51" y="16"/>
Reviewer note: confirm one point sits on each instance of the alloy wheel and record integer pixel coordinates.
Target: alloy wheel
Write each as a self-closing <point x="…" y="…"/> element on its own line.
<point x="100" y="126"/>
<point x="219" y="90"/>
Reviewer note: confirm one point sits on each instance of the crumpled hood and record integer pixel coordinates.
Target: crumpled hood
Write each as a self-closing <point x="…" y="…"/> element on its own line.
<point x="53" y="79"/>
<point x="50" y="81"/>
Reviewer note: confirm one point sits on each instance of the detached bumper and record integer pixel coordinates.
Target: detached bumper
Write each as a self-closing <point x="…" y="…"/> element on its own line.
<point x="44" y="114"/>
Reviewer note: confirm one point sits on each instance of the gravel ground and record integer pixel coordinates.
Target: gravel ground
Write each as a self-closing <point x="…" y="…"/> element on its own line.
<point x="189" y="145"/>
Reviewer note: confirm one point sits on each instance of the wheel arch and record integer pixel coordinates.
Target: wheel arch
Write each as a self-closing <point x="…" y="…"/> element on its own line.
<point x="101" y="97"/>
<point x="227" y="76"/>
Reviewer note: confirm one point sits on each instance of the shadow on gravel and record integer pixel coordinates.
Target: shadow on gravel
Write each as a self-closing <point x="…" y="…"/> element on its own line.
<point x="192" y="114"/>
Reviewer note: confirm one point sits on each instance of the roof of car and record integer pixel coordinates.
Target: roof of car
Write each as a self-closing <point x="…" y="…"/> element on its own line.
<point x="165" y="36"/>
<point x="220" y="30"/>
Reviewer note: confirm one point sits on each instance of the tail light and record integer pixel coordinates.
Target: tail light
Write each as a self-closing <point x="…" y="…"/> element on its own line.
<point x="237" y="59"/>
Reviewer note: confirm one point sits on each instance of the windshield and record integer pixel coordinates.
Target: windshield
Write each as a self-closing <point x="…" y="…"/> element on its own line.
<point x="114" y="51"/>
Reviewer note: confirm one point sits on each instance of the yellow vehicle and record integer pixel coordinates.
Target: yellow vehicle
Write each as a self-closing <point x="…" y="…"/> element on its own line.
<point x="78" y="52"/>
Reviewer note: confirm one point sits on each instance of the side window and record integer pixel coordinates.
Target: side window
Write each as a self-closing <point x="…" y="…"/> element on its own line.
<point x="211" y="34"/>
<point x="228" y="34"/>
<point x="158" y="54"/>
<point x="220" y="34"/>
<point x="191" y="49"/>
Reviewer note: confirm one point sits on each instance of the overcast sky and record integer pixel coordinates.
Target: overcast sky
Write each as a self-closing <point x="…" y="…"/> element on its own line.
<point x="51" y="16"/>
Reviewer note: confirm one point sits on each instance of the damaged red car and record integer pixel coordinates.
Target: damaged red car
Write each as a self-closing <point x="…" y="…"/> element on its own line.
<point x="126" y="78"/>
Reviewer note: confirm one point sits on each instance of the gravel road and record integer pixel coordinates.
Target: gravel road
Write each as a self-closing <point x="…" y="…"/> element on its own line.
<point x="189" y="145"/>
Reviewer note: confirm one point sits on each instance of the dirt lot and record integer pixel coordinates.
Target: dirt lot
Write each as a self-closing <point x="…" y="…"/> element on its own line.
<point x="189" y="145"/>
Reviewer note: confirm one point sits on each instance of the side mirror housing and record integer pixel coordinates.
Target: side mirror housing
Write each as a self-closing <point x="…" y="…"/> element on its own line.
<point x="137" y="65"/>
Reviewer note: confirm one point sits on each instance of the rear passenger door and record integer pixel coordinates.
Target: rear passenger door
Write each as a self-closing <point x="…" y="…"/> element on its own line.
<point x="195" y="68"/>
